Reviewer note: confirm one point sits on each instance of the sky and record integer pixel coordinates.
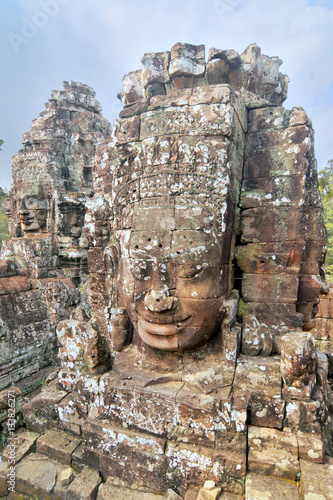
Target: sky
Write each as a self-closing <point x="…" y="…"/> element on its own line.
<point x="43" y="42"/>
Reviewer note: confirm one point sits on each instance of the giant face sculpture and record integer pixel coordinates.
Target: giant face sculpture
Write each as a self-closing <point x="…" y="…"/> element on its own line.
<point x="33" y="214"/>
<point x="172" y="276"/>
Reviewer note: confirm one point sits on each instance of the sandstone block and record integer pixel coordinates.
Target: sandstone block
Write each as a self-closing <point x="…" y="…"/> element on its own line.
<point x="103" y="437"/>
<point x="299" y="117"/>
<point x="310" y="447"/>
<point x="209" y="493"/>
<point x="132" y="88"/>
<point x="202" y="119"/>
<point x="20" y="445"/>
<point x="266" y="412"/>
<point x="108" y="490"/>
<point x="43" y="407"/>
<point x="256" y="338"/>
<point x="230" y="56"/>
<point x="258" y="377"/>
<point x="84" y="456"/>
<point x="271" y="462"/>
<point x="271" y="314"/>
<point x="273" y="153"/>
<point x="281" y="224"/>
<point x="217" y="71"/>
<point x="271" y="258"/>
<point x="117" y="403"/>
<point x="172" y="495"/>
<point x="127" y="129"/>
<point x="259" y="487"/>
<point x="85" y="485"/>
<point x="192" y="492"/>
<point x="187" y="60"/>
<point x="37" y="476"/>
<point x="285" y="190"/>
<point x="155" y="68"/>
<point x="130" y="466"/>
<point x="268" y="118"/>
<point x="302" y="415"/>
<point x="298" y="358"/>
<point x="135" y="108"/>
<point x="230" y="450"/>
<point x="73" y="410"/>
<point x="15" y="284"/>
<point x="304" y="393"/>
<point x="317" y="480"/>
<point x="58" y="445"/>
<point x="66" y="476"/>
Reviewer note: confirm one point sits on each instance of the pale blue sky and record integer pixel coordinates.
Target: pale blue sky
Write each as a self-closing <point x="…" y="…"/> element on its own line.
<point x="96" y="42"/>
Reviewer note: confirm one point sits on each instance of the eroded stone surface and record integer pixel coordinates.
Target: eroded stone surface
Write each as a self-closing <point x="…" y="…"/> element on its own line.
<point x="317" y="480"/>
<point x="57" y="445"/>
<point x="260" y="487"/>
<point x="107" y="490"/>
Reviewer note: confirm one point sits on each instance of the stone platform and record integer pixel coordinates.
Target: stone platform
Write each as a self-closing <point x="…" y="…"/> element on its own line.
<point x="49" y="467"/>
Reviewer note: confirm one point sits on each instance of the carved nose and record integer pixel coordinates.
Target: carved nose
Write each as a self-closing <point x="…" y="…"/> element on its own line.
<point x="159" y="301"/>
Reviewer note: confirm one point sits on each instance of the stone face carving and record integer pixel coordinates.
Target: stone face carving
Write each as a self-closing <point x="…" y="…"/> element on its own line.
<point x="192" y="243"/>
<point x="33" y="214"/>
<point x="47" y="252"/>
<point x="173" y="196"/>
<point x="172" y="268"/>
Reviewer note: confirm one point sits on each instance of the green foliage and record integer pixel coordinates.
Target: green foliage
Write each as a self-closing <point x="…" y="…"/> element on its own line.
<point x="4" y="234"/>
<point x="326" y="190"/>
<point x="326" y="181"/>
<point x="1" y="143"/>
<point x="328" y="217"/>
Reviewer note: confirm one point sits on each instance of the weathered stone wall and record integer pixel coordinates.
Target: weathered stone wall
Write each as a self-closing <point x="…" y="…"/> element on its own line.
<point x="283" y="236"/>
<point x="46" y="208"/>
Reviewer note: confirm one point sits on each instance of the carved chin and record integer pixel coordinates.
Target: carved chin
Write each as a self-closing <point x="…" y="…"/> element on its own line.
<point x="174" y="338"/>
<point x="29" y="228"/>
<point x="166" y="339"/>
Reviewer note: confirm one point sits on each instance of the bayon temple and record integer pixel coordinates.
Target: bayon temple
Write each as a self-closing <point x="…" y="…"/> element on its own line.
<point x="165" y="320"/>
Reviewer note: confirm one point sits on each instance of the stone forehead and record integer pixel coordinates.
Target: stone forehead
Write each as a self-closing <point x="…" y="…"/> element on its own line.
<point x="163" y="215"/>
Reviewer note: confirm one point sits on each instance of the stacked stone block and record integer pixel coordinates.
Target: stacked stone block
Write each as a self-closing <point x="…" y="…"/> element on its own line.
<point x="283" y="235"/>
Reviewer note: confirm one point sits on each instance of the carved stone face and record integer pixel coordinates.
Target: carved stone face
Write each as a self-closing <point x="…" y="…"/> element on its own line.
<point x="33" y="214"/>
<point x="72" y="221"/>
<point x="172" y="277"/>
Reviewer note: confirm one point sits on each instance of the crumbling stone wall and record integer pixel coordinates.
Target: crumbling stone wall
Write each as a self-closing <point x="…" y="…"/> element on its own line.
<point x="46" y="257"/>
<point x="283" y="237"/>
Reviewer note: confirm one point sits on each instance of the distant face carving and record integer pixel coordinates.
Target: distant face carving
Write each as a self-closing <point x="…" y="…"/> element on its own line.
<point x="171" y="276"/>
<point x="33" y="214"/>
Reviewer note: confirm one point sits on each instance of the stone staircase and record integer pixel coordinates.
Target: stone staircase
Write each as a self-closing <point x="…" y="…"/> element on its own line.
<point x="47" y="467"/>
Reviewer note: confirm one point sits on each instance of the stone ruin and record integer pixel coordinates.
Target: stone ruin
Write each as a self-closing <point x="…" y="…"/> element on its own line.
<point x="162" y="281"/>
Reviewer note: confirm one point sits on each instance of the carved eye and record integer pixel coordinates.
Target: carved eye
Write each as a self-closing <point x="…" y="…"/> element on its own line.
<point x="139" y="270"/>
<point x="111" y="260"/>
<point x="190" y="270"/>
<point x="30" y="202"/>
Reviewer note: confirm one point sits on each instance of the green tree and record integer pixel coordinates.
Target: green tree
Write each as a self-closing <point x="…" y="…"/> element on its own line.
<point x="4" y="234"/>
<point x="326" y="190"/>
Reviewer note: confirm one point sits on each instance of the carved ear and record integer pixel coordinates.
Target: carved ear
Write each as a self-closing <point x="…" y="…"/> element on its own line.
<point x="112" y="257"/>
